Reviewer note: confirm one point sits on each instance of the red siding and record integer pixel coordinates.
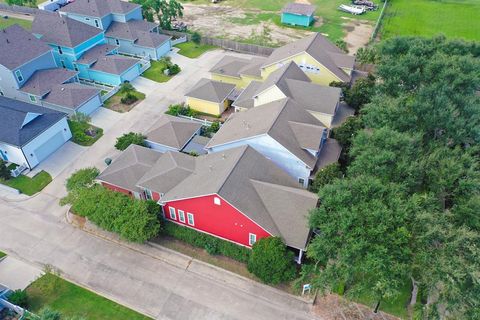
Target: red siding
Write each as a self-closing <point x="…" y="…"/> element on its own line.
<point x="117" y="189"/>
<point x="221" y="220"/>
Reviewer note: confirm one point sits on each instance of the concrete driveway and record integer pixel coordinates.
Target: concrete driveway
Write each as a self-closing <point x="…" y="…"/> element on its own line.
<point x="16" y="274"/>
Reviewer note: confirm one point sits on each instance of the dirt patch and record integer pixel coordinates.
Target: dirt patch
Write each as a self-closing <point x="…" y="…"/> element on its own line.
<point x="358" y="34"/>
<point x="333" y="307"/>
<point x="238" y="24"/>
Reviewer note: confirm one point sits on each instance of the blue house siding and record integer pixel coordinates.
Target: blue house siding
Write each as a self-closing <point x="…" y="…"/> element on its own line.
<point x="90" y="43"/>
<point x="102" y="77"/>
<point x="133" y="15"/>
<point x="44" y="61"/>
<point x="296" y="19"/>
<point x="163" y="49"/>
<point x="126" y="46"/>
<point x="131" y="74"/>
<point x="91" y="105"/>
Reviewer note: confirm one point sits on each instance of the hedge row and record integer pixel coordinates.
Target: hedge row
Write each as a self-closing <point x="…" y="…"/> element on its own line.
<point x="212" y="244"/>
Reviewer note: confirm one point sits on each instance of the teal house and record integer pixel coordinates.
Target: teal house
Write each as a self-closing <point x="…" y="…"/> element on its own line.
<point x="298" y="14"/>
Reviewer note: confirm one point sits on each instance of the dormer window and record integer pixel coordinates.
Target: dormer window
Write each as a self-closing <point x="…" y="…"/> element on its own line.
<point x="96" y="23"/>
<point x="117" y="42"/>
<point x="60" y="51"/>
<point x="19" y="75"/>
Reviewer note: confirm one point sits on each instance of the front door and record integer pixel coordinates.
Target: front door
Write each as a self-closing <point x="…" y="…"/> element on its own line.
<point x="3" y="156"/>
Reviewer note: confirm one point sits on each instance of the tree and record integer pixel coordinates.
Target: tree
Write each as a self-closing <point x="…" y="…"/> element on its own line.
<point x="126" y="87"/>
<point x="367" y="55"/>
<point x="164" y="10"/>
<point x="196" y="37"/>
<point x="361" y="92"/>
<point x="29" y="3"/>
<point x="270" y="261"/>
<point x="366" y="244"/>
<point x="342" y="45"/>
<point x="19" y="298"/>
<point x="130" y="138"/>
<point x="82" y="178"/>
<point x="325" y="176"/>
<point x="4" y="171"/>
<point x="345" y="135"/>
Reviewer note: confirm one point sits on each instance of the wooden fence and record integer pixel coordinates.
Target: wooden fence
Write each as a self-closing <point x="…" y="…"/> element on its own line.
<point x="226" y="44"/>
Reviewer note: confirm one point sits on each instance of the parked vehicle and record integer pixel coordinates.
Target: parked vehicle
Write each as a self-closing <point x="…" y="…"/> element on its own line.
<point x="369" y="5"/>
<point x="355" y="10"/>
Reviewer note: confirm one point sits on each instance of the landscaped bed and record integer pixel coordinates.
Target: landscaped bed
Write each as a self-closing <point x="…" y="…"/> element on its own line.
<point x="115" y="102"/>
<point x="72" y="300"/>
<point x="155" y="72"/>
<point x="193" y="50"/>
<point x="84" y="133"/>
<point x="27" y="185"/>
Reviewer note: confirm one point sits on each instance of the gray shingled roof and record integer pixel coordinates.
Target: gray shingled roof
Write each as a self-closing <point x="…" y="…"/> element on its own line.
<point x="278" y="77"/>
<point x="129" y="167"/>
<point x="17" y="47"/>
<point x="114" y="64"/>
<point x="254" y="67"/>
<point x="255" y="186"/>
<point x="71" y="95"/>
<point x="320" y="49"/>
<point x="42" y="81"/>
<point x="245" y="99"/>
<point x="99" y="8"/>
<point x="330" y="153"/>
<point x="96" y="53"/>
<point x="137" y="31"/>
<point x="230" y="66"/>
<point x="274" y="119"/>
<point x="299" y="8"/>
<point x="210" y="90"/>
<point x="61" y="30"/>
<point x="13" y="114"/>
<point x="172" y="131"/>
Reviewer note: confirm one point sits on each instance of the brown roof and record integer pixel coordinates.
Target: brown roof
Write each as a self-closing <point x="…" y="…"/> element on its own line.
<point x="245" y="99"/>
<point x="320" y="49"/>
<point x="210" y="90"/>
<point x="99" y="8"/>
<point x="172" y="131"/>
<point x="274" y="119"/>
<point x="255" y="186"/>
<point x="299" y="8"/>
<point x="42" y="81"/>
<point x="71" y="95"/>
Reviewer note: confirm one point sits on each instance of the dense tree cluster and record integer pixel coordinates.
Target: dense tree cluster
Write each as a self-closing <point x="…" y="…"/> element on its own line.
<point x="409" y="204"/>
<point x="124" y="141"/>
<point x="165" y="11"/>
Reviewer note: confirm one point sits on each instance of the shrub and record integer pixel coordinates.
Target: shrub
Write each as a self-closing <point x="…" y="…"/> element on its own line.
<point x="49" y="314"/>
<point x="83" y="133"/>
<point x="360" y="93"/>
<point x="82" y="178"/>
<point x="132" y="219"/>
<point x="271" y="262"/>
<point x="19" y="298"/>
<point x="326" y="176"/>
<point x="202" y="240"/>
<point x="129" y="98"/>
<point x="341" y="45"/>
<point x="4" y="171"/>
<point x="130" y="138"/>
<point x="174" y="69"/>
<point x="181" y="109"/>
<point x="126" y="87"/>
<point x="80" y="117"/>
<point x="196" y="38"/>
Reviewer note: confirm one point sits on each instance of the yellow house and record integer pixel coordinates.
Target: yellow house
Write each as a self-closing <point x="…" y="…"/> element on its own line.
<point x="321" y="60"/>
<point x="210" y="96"/>
<point x="237" y="71"/>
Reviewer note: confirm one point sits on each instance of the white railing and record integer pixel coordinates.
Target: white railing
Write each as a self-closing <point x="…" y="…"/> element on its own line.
<point x="17" y="171"/>
<point x="179" y="40"/>
<point x="110" y="93"/>
<point x="144" y="64"/>
<point x="202" y="121"/>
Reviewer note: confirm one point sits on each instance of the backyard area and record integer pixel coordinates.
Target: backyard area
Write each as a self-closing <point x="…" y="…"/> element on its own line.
<point x="193" y="50"/>
<point x="27" y="24"/>
<point x="74" y="301"/>
<point x="124" y="100"/>
<point x="453" y="18"/>
<point x="27" y="185"/>
<point x="258" y="22"/>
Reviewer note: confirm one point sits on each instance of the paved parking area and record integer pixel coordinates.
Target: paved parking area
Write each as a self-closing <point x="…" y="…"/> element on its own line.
<point x="16" y="274"/>
<point x="105" y="118"/>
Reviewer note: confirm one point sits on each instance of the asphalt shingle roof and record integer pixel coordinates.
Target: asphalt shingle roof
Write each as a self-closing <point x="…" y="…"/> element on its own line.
<point x="96" y="52"/>
<point x="210" y="90"/>
<point x="13" y="114"/>
<point x="172" y="131"/>
<point x="100" y="58"/>
<point x="99" y="8"/>
<point x="42" y="81"/>
<point x="17" y="47"/>
<point x="320" y="49"/>
<point x="61" y="30"/>
<point x="138" y="31"/>
<point x="71" y="95"/>
<point x="299" y="8"/>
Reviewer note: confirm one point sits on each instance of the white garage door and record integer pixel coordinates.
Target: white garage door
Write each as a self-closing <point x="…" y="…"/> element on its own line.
<point x="50" y="146"/>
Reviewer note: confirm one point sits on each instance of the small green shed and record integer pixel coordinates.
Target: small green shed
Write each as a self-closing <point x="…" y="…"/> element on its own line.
<point x="298" y="14"/>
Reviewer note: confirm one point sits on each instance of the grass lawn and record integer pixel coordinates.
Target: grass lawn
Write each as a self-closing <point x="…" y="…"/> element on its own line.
<point x="27" y="185"/>
<point x="192" y="50"/>
<point x="453" y="18"/>
<point x="27" y="24"/>
<point x="2" y="254"/>
<point x="72" y="300"/>
<point x="155" y="72"/>
<point x="114" y="102"/>
<point x="79" y="133"/>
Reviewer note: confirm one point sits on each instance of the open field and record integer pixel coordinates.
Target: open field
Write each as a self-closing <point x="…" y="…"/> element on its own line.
<point x="258" y="22"/>
<point x="453" y="18"/>
<point x="72" y="300"/>
<point x="27" y="24"/>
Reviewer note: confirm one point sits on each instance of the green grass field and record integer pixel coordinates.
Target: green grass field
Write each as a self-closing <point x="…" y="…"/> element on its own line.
<point x="453" y="18"/>
<point x="192" y="50"/>
<point x="27" y="185"/>
<point x="155" y="72"/>
<point x="27" y="24"/>
<point x="72" y="300"/>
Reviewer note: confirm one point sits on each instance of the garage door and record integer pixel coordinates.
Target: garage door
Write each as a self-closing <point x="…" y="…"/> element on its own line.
<point x="49" y="147"/>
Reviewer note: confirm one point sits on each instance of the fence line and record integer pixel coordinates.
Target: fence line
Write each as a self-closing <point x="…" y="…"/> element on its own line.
<point x="225" y="44"/>
<point x="205" y="122"/>
<point x="379" y="22"/>
<point x="18" y="9"/>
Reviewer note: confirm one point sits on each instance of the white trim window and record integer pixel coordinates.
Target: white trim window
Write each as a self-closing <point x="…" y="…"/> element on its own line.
<point x="216" y="200"/>
<point x="252" y="238"/>
<point x="191" y="220"/>
<point x="32" y="98"/>
<point x="181" y="216"/>
<point x="173" y="215"/>
<point x="148" y="194"/>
